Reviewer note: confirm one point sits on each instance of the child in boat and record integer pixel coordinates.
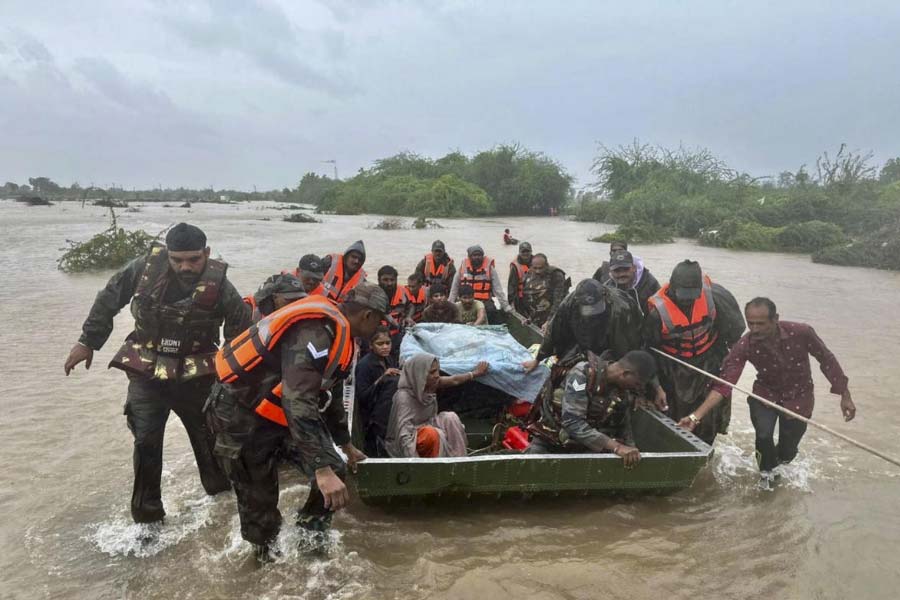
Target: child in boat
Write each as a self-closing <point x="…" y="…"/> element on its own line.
<point x="376" y="379"/>
<point x="415" y="427"/>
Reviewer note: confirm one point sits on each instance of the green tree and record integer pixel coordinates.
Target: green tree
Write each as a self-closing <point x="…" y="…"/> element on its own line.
<point x="890" y="172"/>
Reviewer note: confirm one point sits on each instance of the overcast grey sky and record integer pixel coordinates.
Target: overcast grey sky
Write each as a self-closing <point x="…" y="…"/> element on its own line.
<point x="242" y="93"/>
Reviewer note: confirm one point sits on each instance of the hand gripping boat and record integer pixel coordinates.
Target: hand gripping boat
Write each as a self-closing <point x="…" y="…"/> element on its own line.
<point x="670" y="460"/>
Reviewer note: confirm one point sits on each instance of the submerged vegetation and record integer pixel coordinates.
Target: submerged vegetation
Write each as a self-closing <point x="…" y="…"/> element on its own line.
<point x="107" y="250"/>
<point x="639" y="232"/>
<point x="301" y="218"/>
<point x="845" y="212"/>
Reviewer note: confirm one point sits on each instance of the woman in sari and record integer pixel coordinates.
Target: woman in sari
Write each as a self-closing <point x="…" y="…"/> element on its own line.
<point x="415" y="427"/>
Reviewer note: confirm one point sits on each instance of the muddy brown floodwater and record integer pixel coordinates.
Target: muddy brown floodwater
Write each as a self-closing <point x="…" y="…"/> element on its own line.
<point x="832" y="530"/>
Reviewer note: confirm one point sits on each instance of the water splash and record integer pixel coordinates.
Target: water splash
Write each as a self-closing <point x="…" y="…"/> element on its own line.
<point x="121" y="537"/>
<point x="733" y="466"/>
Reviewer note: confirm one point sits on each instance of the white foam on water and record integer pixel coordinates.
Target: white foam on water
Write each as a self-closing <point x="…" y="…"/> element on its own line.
<point x="122" y="537"/>
<point x="733" y="466"/>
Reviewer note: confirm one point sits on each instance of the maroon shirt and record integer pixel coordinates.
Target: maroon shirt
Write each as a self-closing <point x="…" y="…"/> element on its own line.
<point x="782" y="367"/>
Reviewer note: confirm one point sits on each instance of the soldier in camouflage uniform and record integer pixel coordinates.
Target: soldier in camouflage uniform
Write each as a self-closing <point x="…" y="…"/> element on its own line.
<point x="250" y="438"/>
<point x="179" y="298"/>
<point x="594" y="412"/>
<point x="543" y="290"/>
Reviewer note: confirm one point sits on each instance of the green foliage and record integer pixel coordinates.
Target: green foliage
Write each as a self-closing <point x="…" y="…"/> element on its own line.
<point x="108" y="250"/>
<point x="737" y="234"/>
<point x="312" y="189"/>
<point x="890" y="172"/>
<point x="506" y="180"/>
<point x="639" y="232"/>
<point x="809" y="236"/>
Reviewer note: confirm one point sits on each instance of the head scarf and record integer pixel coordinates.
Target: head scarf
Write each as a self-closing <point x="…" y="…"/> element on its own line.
<point x="413" y="377"/>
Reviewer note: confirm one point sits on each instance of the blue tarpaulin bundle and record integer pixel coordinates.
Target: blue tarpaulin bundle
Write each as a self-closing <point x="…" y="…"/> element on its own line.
<point x="460" y="347"/>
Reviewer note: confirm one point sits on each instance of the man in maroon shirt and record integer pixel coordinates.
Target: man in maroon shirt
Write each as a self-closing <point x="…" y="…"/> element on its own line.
<point x="780" y="352"/>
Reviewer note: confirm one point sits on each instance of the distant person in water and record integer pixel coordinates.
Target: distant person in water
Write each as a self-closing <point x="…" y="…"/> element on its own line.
<point x="508" y="239"/>
<point x="780" y="351"/>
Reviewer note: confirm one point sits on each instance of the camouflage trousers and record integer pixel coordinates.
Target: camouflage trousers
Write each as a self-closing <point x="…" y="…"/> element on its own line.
<point x="250" y="450"/>
<point x="147" y="408"/>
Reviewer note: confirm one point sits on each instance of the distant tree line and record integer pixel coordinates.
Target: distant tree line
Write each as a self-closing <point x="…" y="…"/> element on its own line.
<point x="506" y="180"/>
<point x="49" y="189"/>
<point x="845" y="211"/>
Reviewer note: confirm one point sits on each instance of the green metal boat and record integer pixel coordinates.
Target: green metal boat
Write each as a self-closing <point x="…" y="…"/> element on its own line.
<point x="670" y="460"/>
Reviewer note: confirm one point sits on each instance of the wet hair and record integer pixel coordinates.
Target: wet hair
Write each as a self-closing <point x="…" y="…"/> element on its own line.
<point x="465" y="290"/>
<point x="185" y="238"/>
<point x="540" y="255"/>
<point x="641" y="363"/>
<point x="437" y="288"/>
<point x="415" y="277"/>
<point x="381" y="330"/>
<point x="761" y="301"/>
<point x="387" y="270"/>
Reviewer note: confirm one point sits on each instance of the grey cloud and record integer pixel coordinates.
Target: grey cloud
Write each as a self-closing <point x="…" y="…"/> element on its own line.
<point x="113" y="85"/>
<point x="30" y="49"/>
<point x="263" y="34"/>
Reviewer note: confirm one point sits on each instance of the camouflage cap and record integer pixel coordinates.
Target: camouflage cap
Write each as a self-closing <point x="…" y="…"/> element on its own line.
<point x="369" y="295"/>
<point x="285" y="284"/>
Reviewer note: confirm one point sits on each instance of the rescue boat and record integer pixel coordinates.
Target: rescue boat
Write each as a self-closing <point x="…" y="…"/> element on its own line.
<point x="671" y="458"/>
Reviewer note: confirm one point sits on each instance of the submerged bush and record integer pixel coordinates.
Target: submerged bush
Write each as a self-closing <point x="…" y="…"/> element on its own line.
<point x="108" y="250"/>
<point x="301" y="218"/>
<point x="423" y="223"/>
<point x="809" y="236"/>
<point x="640" y="232"/>
<point x="736" y="234"/>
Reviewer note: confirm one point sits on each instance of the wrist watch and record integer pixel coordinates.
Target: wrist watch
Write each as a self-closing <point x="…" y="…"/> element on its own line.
<point x="694" y="419"/>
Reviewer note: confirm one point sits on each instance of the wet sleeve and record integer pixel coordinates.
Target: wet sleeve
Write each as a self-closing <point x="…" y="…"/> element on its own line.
<point x="237" y="313"/>
<point x="335" y="416"/>
<point x="574" y="413"/>
<point x="512" y="284"/>
<point x="558" y="293"/>
<point x="828" y="363"/>
<point x="304" y="355"/>
<point x="109" y="301"/>
<point x="651" y="330"/>
<point x="732" y="367"/>
<point x="497" y="289"/>
<point x="729" y="317"/>
<point x="454" y="289"/>
<point x="548" y="344"/>
<point x="420" y="269"/>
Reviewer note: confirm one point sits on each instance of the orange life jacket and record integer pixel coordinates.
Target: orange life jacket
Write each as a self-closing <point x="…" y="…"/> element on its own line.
<point x="522" y="269"/>
<point x="397" y="309"/>
<point x="239" y="357"/>
<point x="436" y="271"/>
<point x="682" y="337"/>
<point x="479" y="279"/>
<point x="418" y="301"/>
<point x="334" y="287"/>
<point x="255" y="315"/>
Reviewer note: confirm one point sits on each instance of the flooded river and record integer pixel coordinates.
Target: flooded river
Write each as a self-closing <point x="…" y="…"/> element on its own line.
<point x="832" y="530"/>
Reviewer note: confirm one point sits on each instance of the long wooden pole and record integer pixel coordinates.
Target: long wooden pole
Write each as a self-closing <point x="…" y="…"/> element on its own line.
<point x="784" y="410"/>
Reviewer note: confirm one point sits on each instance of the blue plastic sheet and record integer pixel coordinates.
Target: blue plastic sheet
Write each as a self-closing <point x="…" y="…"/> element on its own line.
<point x="461" y="347"/>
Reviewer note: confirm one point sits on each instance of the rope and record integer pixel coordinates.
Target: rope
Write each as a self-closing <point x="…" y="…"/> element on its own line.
<point x="790" y="413"/>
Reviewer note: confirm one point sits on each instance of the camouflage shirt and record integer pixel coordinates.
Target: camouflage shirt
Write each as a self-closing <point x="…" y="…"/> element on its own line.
<point x="121" y="287"/>
<point x="314" y="421"/>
